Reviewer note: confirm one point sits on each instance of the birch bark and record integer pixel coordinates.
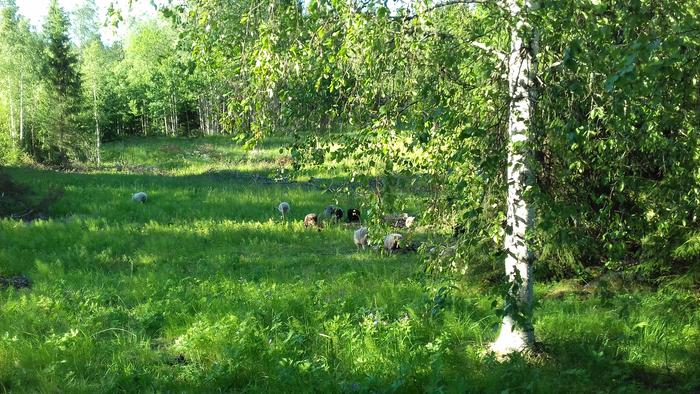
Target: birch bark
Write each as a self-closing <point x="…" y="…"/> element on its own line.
<point x="517" y="333"/>
<point x="97" y="123"/>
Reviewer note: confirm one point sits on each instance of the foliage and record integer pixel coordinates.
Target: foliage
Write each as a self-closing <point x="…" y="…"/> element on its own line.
<point x="415" y="101"/>
<point x="143" y="85"/>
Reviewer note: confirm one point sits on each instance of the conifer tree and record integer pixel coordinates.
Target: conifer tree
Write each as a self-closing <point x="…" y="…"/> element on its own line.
<point x="63" y="79"/>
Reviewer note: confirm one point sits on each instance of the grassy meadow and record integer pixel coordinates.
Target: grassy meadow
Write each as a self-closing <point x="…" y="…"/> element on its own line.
<point x="205" y="289"/>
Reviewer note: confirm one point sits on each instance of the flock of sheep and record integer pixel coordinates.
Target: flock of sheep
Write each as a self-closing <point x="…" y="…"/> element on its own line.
<point x="392" y="242"/>
<point x="360" y="237"/>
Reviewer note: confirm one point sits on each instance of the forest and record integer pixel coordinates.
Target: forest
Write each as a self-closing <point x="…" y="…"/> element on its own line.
<point x="350" y="196"/>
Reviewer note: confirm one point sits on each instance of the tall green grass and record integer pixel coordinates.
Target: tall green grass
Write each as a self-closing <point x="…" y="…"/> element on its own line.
<point x="204" y="288"/>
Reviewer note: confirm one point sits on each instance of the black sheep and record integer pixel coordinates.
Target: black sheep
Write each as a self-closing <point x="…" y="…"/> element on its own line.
<point x="353" y="215"/>
<point x="338" y="214"/>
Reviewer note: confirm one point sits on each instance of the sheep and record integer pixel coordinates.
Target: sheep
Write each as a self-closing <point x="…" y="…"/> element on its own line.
<point x="311" y="220"/>
<point x="332" y="212"/>
<point x="409" y="221"/>
<point x="283" y="208"/>
<point x="139" y="197"/>
<point x="400" y="221"/>
<point x="360" y="237"/>
<point x="392" y="242"/>
<point x="353" y="215"/>
<point x="329" y="212"/>
<point x="338" y="214"/>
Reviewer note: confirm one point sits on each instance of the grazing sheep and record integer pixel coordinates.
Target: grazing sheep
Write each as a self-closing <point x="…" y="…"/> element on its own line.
<point x="400" y="221"/>
<point x="329" y="212"/>
<point x="332" y="212"/>
<point x="409" y="221"/>
<point x="392" y="242"/>
<point x="338" y="214"/>
<point x="139" y="197"/>
<point x="360" y="237"/>
<point x="283" y="208"/>
<point x="353" y="215"/>
<point x="311" y="220"/>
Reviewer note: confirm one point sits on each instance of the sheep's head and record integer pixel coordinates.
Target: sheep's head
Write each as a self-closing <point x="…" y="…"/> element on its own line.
<point x="310" y="220"/>
<point x="353" y="215"/>
<point x="393" y="241"/>
<point x="409" y="221"/>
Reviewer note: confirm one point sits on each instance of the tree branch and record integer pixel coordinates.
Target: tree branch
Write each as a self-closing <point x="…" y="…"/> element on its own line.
<point x="500" y="55"/>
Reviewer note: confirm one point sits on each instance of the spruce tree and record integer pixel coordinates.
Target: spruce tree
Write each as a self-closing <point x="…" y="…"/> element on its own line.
<point x="63" y="78"/>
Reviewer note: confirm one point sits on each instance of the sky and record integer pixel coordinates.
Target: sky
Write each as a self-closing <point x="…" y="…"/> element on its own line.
<point x="36" y="11"/>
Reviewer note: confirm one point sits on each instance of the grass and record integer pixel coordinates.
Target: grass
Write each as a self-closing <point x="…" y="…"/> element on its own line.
<point x="205" y="289"/>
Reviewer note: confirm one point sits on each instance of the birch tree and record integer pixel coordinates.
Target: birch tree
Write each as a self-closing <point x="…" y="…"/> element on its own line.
<point x="20" y="63"/>
<point x="517" y="333"/>
<point x="95" y="68"/>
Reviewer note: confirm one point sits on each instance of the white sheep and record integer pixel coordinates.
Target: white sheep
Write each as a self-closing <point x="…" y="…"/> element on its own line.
<point x="392" y="242"/>
<point x="312" y="220"/>
<point x="139" y="197"/>
<point x="360" y="237"/>
<point x="400" y="221"/>
<point x="283" y="208"/>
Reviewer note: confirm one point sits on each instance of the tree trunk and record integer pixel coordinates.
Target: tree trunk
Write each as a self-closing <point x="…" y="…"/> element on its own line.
<point x="21" y="108"/>
<point x="144" y="121"/>
<point x="176" y="122"/>
<point x="517" y="333"/>
<point x="12" y="110"/>
<point x="31" y="130"/>
<point x="97" y="124"/>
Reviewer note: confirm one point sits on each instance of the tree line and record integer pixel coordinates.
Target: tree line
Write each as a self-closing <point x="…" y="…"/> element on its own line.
<point x="63" y="90"/>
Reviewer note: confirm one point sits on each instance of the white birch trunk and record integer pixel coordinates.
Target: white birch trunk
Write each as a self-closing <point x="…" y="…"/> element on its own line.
<point x="97" y="123"/>
<point x="21" y="108"/>
<point x="12" y="110"/>
<point x="517" y="333"/>
<point x="176" y="121"/>
<point x="202" y="128"/>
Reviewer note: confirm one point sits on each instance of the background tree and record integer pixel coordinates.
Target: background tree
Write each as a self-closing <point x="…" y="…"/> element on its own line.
<point x="62" y="100"/>
<point x="20" y="62"/>
<point x="85" y="25"/>
<point x="95" y="68"/>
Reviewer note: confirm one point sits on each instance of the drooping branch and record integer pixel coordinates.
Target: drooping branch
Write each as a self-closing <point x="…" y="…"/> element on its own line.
<point x="493" y="51"/>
